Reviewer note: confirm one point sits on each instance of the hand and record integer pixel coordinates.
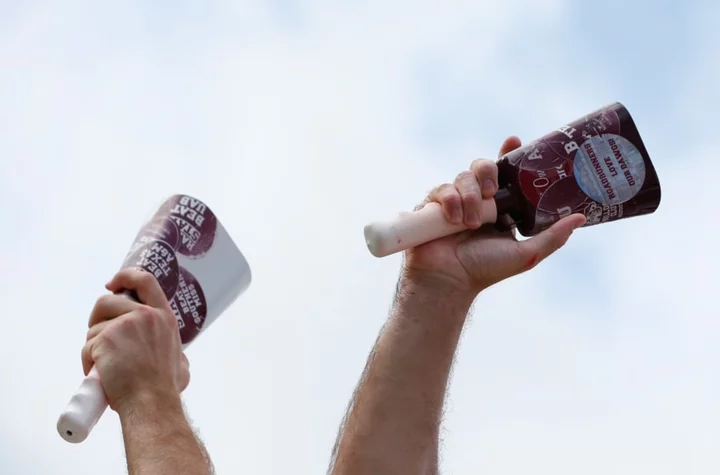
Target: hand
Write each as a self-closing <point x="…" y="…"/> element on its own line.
<point x="135" y="346"/>
<point x="476" y="259"/>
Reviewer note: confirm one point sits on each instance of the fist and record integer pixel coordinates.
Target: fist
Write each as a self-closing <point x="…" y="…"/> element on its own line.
<point x="481" y="256"/>
<point x="135" y="345"/>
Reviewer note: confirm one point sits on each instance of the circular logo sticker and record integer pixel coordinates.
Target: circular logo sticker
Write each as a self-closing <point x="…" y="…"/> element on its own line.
<point x="160" y="229"/>
<point x="609" y="169"/>
<point x="195" y="222"/>
<point x="189" y="306"/>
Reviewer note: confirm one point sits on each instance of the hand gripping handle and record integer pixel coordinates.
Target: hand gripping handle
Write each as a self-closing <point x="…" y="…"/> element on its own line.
<point x="411" y="229"/>
<point x="87" y="405"/>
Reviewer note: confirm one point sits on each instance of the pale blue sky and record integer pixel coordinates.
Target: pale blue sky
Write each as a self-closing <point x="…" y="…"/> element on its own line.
<point x="638" y="52"/>
<point x="298" y="122"/>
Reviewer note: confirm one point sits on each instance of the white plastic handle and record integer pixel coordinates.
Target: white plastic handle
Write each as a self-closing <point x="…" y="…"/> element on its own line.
<point x="411" y="229"/>
<point x="84" y="410"/>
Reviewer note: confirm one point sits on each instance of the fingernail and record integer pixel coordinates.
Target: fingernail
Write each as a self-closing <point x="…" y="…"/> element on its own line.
<point x="472" y="220"/>
<point x="488" y="186"/>
<point x="456" y="216"/>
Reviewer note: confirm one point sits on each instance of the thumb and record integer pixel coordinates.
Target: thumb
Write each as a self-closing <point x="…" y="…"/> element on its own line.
<point x="537" y="248"/>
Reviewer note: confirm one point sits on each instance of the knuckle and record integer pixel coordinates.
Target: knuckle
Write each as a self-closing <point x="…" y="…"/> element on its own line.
<point x="156" y="316"/>
<point x="481" y="162"/>
<point x="465" y="176"/>
<point x="104" y="339"/>
<point x="144" y="279"/>
<point x="471" y="197"/>
<point x="104" y="301"/>
<point x="169" y="318"/>
<point x="437" y="194"/>
<point x="442" y="189"/>
<point x="146" y="313"/>
<point x="139" y="319"/>
<point x="483" y="167"/>
<point x="452" y="199"/>
<point x="447" y="189"/>
<point x="102" y="305"/>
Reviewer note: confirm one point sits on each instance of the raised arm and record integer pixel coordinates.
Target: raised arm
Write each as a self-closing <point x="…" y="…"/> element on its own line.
<point x="158" y="438"/>
<point x="393" y="420"/>
<point x="137" y="351"/>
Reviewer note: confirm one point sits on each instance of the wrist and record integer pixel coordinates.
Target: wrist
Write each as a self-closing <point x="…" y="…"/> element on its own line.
<point x="150" y="402"/>
<point x="432" y="301"/>
<point x="437" y="286"/>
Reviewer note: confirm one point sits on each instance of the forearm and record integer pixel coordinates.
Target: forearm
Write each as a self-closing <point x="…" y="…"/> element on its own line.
<point x="159" y="439"/>
<point x="392" y="427"/>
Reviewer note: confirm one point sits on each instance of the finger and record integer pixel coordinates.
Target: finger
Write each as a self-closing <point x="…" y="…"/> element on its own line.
<point x="86" y="355"/>
<point x="536" y="249"/>
<point x="510" y="144"/>
<point x="108" y="307"/>
<point x="486" y="173"/>
<point x="96" y="334"/>
<point x="449" y="198"/>
<point x="143" y="283"/>
<point x="96" y="329"/>
<point x="471" y="195"/>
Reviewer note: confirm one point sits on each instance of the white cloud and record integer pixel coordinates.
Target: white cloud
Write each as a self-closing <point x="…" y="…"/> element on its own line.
<point x="297" y="130"/>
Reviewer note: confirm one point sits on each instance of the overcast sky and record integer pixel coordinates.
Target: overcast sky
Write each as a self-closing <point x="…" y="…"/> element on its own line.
<point x="298" y="122"/>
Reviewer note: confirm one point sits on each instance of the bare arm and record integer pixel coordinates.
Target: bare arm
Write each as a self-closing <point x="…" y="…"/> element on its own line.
<point x="159" y="439"/>
<point x="392" y="425"/>
<point x="393" y="422"/>
<point x="137" y="350"/>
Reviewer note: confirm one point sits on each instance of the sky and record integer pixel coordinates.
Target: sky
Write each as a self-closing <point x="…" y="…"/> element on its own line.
<point x="298" y="123"/>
